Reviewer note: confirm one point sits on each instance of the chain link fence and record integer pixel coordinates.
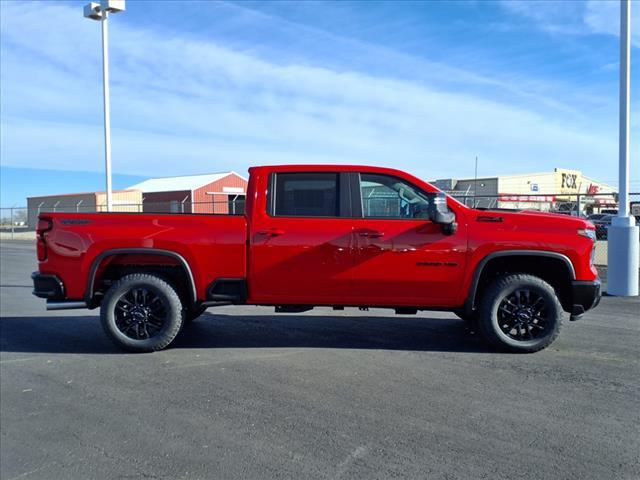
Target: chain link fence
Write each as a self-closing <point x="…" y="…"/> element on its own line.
<point x="16" y="222"/>
<point x="13" y="220"/>
<point x="582" y="205"/>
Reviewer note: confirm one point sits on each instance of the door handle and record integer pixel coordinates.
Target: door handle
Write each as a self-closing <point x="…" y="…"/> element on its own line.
<point x="370" y="233"/>
<point x="272" y="232"/>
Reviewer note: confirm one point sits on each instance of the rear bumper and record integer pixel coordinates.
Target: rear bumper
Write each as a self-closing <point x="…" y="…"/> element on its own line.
<point x="585" y="296"/>
<point x="47" y="286"/>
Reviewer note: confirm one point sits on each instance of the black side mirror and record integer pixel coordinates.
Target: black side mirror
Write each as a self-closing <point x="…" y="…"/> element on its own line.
<point x="441" y="214"/>
<point x="443" y="218"/>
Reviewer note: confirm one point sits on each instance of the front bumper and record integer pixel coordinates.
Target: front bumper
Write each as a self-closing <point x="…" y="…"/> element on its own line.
<point x="585" y="296"/>
<point x="47" y="286"/>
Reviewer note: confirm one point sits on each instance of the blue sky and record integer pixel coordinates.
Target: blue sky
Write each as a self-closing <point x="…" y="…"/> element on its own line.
<point x="210" y="86"/>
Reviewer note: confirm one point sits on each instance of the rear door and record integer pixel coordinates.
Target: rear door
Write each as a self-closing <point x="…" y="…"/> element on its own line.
<point x="301" y="245"/>
<point x="401" y="257"/>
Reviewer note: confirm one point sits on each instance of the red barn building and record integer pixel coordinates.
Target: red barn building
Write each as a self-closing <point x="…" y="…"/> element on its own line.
<point x="210" y="193"/>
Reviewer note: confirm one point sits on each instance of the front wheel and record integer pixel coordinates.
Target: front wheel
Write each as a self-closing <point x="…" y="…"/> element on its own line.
<point x="141" y="313"/>
<point x="520" y="313"/>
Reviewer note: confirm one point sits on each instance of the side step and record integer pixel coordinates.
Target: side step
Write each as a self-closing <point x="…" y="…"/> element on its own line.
<point x="406" y="311"/>
<point x="65" y="305"/>
<point x="292" y="308"/>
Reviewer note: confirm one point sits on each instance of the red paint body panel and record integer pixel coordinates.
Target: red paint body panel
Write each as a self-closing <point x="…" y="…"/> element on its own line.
<point x="213" y="246"/>
<point x="317" y="261"/>
<point x="411" y="263"/>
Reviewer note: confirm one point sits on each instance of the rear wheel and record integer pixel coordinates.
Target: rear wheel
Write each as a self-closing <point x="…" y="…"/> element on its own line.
<point x="141" y="313"/>
<point x="520" y="313"/>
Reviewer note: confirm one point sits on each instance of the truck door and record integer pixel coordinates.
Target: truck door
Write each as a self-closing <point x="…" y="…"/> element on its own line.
<point x="401" y="257"/>
<point x="300" y="244"/>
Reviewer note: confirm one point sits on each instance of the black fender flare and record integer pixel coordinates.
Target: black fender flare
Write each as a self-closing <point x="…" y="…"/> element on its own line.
<point x="470" y="302"/>
<point x="144" y="251"/>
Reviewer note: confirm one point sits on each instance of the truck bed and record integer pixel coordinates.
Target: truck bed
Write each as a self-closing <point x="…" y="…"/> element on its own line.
<point x="87" y="236"/>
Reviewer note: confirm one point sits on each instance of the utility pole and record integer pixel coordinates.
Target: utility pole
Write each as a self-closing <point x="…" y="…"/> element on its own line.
<point x="623" y="249"/>
<point x="100" y="11"/>
<point x="475" y="183"/>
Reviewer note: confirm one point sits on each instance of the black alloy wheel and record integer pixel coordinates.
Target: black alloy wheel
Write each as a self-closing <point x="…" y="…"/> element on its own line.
<point x="141" y="313"/>
<point x="522" y="315"/>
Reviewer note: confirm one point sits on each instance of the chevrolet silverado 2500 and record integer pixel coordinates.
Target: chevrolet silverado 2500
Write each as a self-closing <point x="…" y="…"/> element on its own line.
<point x="319" y="235"/>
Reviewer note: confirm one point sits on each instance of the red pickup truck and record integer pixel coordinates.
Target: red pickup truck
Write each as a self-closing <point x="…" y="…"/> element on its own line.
<point x="318" y="235"/>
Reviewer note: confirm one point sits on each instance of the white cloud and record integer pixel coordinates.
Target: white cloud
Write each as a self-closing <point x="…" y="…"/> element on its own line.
<point x="604" y="17"/>
<point x="183" y="105"/>
<point x="576" y="18"/>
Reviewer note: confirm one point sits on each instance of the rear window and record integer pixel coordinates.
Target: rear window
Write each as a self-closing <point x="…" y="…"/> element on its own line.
<point x="306" y="195"/>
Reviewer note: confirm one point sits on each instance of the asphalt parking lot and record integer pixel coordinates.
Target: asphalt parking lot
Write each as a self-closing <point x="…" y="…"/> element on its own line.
<point x="245" y="393"/>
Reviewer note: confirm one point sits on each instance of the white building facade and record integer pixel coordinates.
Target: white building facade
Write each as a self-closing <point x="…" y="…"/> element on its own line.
<point x="562" y="190"/>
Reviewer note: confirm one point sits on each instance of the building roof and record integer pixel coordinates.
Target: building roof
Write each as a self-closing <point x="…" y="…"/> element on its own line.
<point x="186" y="182"/>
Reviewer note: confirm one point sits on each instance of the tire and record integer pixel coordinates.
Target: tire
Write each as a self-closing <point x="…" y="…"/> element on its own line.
<point x="141" y="313"/>
<point x="520" y="313"/>
<point x="193" y="313"/>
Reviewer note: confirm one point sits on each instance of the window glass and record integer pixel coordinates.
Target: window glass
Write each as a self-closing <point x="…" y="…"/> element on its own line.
<point x="306" y="194"/>
<point x="384" y="196"/>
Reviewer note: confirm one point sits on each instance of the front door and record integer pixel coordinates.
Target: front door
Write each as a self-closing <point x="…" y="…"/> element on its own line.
<point x="301" y="245"/>
<point x="401" y="257"/>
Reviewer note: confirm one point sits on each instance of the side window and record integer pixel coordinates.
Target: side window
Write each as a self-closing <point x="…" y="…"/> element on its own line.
<point x="384" y="196"/>
<point x="306" y="195"/>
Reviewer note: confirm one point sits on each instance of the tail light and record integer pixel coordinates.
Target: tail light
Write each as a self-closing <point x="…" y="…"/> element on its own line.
<point x="44" y="225"/>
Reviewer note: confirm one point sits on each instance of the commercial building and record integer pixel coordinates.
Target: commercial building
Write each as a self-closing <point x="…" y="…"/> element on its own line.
<point x="210" y="193"/>
<point x="123" y="201"/>
<point x="561" y="190"/>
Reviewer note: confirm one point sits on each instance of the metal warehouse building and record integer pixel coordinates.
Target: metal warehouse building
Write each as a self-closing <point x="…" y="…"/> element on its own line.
<point x="559" y="190"/>
<point x="123" y="201"/>
<point x="209" y="193"/>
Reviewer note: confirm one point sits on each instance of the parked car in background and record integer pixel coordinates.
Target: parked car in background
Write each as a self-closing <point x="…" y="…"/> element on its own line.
<point x="323" y="235"/>
<point x="602" y="224"/>
<point x="596" y="216"/>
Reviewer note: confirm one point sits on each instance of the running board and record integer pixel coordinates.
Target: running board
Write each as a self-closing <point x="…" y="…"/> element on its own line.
<point x="65" y="305"/>
<point x="292" y="308"/>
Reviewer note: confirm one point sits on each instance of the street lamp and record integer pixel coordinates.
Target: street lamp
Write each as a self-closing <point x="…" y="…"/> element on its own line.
<point x="100" y="11"/>
<point x="622" y="277"/>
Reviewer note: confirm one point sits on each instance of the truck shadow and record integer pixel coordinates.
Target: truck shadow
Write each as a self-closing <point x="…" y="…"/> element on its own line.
<point x="84" y="335"/>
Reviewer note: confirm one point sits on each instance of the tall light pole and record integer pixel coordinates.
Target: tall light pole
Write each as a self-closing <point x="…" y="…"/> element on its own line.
<point x="100" y="11"/>
<point x="622" y="276"/>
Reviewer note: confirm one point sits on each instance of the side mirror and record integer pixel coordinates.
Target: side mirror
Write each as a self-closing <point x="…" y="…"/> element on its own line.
<point x="443" y="218"/>
<point x="441" y="214"/>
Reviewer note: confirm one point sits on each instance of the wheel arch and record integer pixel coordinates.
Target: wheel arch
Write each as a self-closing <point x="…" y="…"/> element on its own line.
<point x="521" y="260"/>
<point x="149" y="254"/>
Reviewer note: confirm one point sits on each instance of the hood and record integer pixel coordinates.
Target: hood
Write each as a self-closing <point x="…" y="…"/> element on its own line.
<point x="532" y="219"/>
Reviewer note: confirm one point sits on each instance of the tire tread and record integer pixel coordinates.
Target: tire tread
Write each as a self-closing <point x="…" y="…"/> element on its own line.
<point x="166" y="288"/>
<point x="493" y="294"/>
